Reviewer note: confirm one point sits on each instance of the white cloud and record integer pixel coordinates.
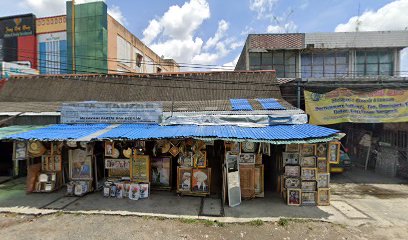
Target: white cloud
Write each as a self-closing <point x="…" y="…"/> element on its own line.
<point x="174" y="35"/>
<point x="44" y="8"/>
<point x="392" y="16"/>
<point x="219" y="34"/>
<point x="263" y="8"/>
<point x="288" y="27"/>
<point x="232" y="64"/>
<point x="117" y="14"/>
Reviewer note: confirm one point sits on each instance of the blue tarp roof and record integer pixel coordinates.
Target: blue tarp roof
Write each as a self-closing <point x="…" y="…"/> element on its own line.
<point x="277" y="133"/>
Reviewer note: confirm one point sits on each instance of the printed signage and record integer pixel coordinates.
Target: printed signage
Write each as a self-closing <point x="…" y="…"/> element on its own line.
<point x="108" y="112"/>
<point x="17" y="26"/>
<point x="345" y="105"/>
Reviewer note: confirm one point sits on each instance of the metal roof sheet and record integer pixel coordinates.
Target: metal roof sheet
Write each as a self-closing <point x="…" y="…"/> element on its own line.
<point x="6" y="131"/>
<point x="152" y="131"/>
<point x="240" y="105"/>
<point x="270" y="104"/>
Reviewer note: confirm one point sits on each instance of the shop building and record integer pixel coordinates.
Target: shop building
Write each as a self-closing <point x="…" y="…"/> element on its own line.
<point x="249" y="144"/>
<point x="367" y="64"/>
<point x="98" y="44"/>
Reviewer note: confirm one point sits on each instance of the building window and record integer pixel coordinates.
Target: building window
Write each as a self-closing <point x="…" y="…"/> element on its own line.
<point x="124" y="51"/>
<point x="374" y="62"/>
<point x="327" y="64"/>
<point x="158" y="70"/>
<point x="139" y="60"/>
<point x="283" y="62"/>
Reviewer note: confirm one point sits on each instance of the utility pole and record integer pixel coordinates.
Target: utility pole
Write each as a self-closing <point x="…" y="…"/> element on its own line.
<point x="73" y="35"/>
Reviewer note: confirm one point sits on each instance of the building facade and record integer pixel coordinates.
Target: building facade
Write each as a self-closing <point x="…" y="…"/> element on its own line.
<point x="96" y="44"/>
<point x="325" y="55"/>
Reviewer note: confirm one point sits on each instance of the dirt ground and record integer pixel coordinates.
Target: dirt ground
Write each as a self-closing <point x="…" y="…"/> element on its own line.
<point x="76" y="226"/>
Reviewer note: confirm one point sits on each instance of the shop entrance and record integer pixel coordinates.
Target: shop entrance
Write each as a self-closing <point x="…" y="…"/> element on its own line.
<point x="6" y="159"/>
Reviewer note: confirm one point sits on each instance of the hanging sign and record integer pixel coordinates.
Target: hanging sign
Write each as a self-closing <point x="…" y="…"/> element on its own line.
<point x="110" y="112"/>
<point x="16" y="26"/>
<point x="345" y="105"/>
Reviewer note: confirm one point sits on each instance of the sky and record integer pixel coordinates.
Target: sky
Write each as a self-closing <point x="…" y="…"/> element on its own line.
<point x="213" y="32"/>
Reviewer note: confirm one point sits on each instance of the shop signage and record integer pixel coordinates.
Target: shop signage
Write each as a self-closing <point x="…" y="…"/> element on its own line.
<point x="345" y="105"/>
<point x="8" y="69"/>
<point x="51" y="24"/>
<point x="109" y="112"/>
<point x="17" y="26"/>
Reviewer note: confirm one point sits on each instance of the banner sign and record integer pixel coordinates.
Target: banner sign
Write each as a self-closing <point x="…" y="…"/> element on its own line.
<point x="109" y="112"/>
<point x="345" y="105"/>
<point x="17" y="26"/>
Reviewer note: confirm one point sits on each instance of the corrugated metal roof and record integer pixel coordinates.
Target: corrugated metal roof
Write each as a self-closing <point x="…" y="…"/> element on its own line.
<point x="270" y="104"/>
<point x="6" y="131"/>
<point x="240" y="105"/>
<point x="281" y="133"/>
<point x="59" y="132"/>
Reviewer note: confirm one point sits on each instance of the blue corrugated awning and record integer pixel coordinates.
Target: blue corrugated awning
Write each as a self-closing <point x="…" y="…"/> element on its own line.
<point x="270" y="104"/>
<point x="240" y="105"/>
<point x="87" y="132"/>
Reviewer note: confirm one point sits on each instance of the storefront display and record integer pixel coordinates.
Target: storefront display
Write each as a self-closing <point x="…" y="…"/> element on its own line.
<point x="161" y="173"/>
<point x="333" y="153"/>
<point x="140" y="168"/>
<point x="323" y="196"/>
<point x="293" y="197"/>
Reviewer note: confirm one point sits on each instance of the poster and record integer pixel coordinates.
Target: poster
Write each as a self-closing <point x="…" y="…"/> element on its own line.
<point x="345" y="105"/>
<point x="161" y="168"/>
<point x="80" y="165"/>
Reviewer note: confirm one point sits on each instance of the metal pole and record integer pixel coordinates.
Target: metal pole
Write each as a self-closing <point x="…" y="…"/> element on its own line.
<point x="298" y="92"/>
<point x="73" y="36"/>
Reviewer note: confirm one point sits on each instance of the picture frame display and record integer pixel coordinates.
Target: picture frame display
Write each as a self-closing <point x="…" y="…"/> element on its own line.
<point x="109" y="146"/>
<point x="321" y="150"/>
<point x="309" y="198"/>
<point x="323" y="180"/>
<point x="292" y="148"/>
<point x="201" y="180"/>
<point x="248" y="147"/>
<point x="259" y="181"/>
<point x="290" y="158"/>
<point x="309" y="186"/>
<point x="186" y="159"/>
<point x="140" y="168"/>
<point x="309" y="162"/>
<point x="233" y="147"/>
<point x="161" y="172"/>
<point x="292" y="183"/>
<point x="323" y="196"/>
<point x="20" y="150"/>
<point x="247" y="158"/>
<point x="184" y="179"/>
<point x="80" y="165"/>
<point x="294" y="197"/>
<point x="309" y="174"/>
<point x="200" y="159"/>
<point x="232" y="162"/>
<point x="113" y="163"/>
<point x="308" y="150"/>
<point x="333" y="152"/>
<point x="322" y="165"/>
<point x="292" y="171"/>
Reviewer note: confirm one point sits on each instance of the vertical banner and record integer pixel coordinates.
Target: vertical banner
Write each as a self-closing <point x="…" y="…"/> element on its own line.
<point x="345" y="105"/>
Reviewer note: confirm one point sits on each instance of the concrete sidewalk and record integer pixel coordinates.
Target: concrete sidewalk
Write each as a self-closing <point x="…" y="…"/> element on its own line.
<point x="356" y="200"/>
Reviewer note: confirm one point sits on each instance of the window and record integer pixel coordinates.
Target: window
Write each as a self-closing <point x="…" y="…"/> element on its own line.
<point x="283" y="62"/>
<point x="158" y="70"/>
<point x="327" y="64"/>
<point x="374" y="62"/>
<point x="123" y="51"/>
<point x="139" y="60"/>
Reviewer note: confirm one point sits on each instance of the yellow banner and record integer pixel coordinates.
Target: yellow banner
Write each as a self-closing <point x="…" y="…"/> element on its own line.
<point x="345" y="105"/>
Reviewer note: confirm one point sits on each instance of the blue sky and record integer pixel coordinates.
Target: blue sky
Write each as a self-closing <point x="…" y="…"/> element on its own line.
<point x="213" y="31"/>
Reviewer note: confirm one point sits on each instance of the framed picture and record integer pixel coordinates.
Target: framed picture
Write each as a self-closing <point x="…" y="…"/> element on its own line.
<point x="200" y="159"/>
<point x="294" y="197"/>
<point x="248" y="147"/>
<point x="323" y="196"/>
<point x="80" y="165"/>
<point x="232" y="162"/>
<point x="233" y="147"/>
<point x="161" y="171"/>
<point x="308" y="150"/>
<point x="109" y="146"/>
<point x="290" y="158"/>
<point x="20" y="150"/>
<point x="201" y="180"/>
<point x="333" y="153"/>
<point x="259" y="181"/>
<point x="292" y="171"/>
<point x="266" y="149"/>
<point x="184" y="179"/>
<point x="309" y="162"/>
<point x="117" y="163"/>
<point x="292" y="183"/>
<point x="134" y="191"/>
<point x="309" y="186"/>
<point x="292" y="148"/>
<point x="309" y="174"/>
<point x="140" y="168"/>
<point x="57" y="163"/>
<point x="185" y="159"/>
<point x="144" y="190"/>
<point x="308" y="198"/>
<point x="323" y="180"/>
<point x="247" y="158"/>
<point x="322" y="165"/>
<point x="321" y="150"/>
